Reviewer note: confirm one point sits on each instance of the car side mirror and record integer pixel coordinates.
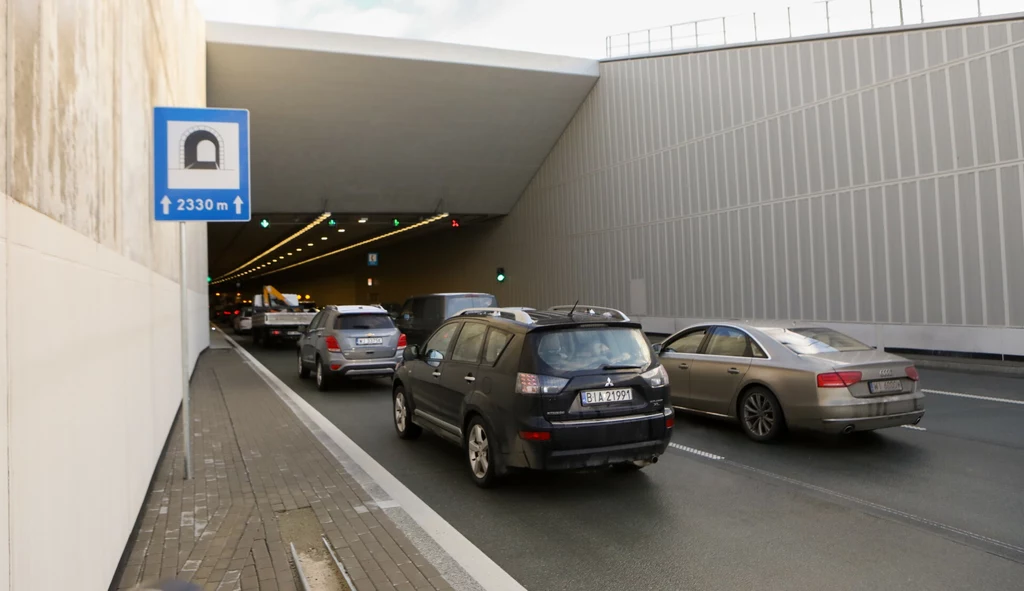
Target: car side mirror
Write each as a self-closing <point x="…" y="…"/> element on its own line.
<point x="657" y="348"/>
<point x="435" y="357"/>
<point x="411" y="353"/>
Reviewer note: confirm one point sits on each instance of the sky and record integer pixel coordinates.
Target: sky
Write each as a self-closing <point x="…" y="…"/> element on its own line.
<point x="574" y="27"/>
<point x="562" y="27"/>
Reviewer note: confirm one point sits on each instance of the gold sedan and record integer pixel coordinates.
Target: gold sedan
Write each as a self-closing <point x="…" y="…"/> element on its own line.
<point x="770" y="378"/>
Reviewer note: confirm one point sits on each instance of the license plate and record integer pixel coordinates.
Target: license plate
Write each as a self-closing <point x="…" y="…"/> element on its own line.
<point x="886" y="386"/>
<point x="606" y="396"/>
<point x="370" y="341"/>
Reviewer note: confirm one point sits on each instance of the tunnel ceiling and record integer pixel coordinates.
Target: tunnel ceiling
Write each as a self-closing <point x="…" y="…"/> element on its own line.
<point x="356" y="124"/>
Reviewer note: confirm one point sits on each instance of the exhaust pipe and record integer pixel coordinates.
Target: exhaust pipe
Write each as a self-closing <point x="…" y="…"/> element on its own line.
<point x="654" y="460"/>
<point x="848" y="429"/>
<point x="918" y="420"/>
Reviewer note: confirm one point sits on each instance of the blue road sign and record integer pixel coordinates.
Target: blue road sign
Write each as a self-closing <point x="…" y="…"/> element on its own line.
<point x="201" y="165"/>
<point x="372" y="259"/>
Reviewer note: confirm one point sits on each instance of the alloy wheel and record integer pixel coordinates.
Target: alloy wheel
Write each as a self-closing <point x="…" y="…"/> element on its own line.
<point x="758" y="414"/>
<point x="400" y="412"/>
<point x="478" y="446"/>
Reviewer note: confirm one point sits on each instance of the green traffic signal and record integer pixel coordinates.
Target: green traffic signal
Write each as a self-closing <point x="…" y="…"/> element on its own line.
<point x="501" y="275"/>
<point x="395" y="222"/>
<point x="265" y="223"/>
<point x="208" y="279"/>
<point x="332" y="223"/>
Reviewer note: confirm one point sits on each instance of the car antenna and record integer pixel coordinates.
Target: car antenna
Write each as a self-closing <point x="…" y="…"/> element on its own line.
<point x="573" y="308"/>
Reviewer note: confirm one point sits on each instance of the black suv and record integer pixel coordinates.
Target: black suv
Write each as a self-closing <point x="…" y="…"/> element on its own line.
<point x="571" y="387"/>
<point x="421" y="315"/>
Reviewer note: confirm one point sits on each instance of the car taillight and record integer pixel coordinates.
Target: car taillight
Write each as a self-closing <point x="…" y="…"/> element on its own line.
<point x="912" y="373"/>
<point x="528" y="383"/>
<point x="236" y="312"/>
<point x="670" y="422"/>
<point x="535" y="435"/>
<point x="402" y="341"/>
<point x="838" y="379"/>
<point x="332" y="344"/>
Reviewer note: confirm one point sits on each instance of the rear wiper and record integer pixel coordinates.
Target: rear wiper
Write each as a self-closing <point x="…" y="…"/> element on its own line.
<point x="614" y="367"/>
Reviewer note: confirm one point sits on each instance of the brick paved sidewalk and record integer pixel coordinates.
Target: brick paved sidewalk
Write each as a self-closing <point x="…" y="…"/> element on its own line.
<point x="255" y="462"/>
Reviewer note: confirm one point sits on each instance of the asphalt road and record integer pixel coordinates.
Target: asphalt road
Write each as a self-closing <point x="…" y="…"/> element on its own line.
<point x="937" y="508"/>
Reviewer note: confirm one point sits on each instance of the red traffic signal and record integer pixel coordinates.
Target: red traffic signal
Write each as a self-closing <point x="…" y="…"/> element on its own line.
<point x="455" y="223"/>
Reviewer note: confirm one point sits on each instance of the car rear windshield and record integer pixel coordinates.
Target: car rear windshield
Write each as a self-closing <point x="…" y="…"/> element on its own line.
<point x="591" y="349"/>
<point x="457" y="304"/>
<point x="810" y="341"/>
<point x="363" y="322"/>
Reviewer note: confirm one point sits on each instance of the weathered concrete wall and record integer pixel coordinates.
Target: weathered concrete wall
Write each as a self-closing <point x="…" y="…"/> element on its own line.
<point x="90" y="372"/>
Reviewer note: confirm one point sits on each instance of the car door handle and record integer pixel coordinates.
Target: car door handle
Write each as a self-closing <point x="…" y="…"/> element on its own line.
<point x="684" y="366"/>
<point x="437" y="374"/>
<point x="470" y="379"/>
<point x="733" y="370"/>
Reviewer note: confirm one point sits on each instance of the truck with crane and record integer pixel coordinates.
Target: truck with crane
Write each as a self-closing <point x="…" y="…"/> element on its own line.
<point x="278" y="317"/>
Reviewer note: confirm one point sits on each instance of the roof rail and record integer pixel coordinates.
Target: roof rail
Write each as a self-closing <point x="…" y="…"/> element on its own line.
<point x="517" y="314"/>
<point x="591" y="311"/>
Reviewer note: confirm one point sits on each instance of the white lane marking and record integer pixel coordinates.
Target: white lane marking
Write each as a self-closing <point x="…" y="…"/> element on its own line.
<point x="485" y="572"/>
<point x="698" y="452"/>
<point x="876" y="506"/>
<point x="914" y="427"/>
<point x="974" y="396"/>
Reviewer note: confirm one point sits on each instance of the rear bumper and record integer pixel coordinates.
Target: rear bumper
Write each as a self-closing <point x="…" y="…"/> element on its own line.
<point x="282" y="333"/>
<point x="591" y="445"/>
<point x="865" y="414"/>
<point x="340" y="366"/>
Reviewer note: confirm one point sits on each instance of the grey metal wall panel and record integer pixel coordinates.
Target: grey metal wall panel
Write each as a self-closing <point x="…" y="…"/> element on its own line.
<point x="1011" y="179"/>
<point x="970" y="247"/>
<point x="871" y="180"/>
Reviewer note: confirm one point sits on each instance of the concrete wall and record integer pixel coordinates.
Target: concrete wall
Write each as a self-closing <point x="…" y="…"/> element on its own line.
<point x="90" y="356"/>
<point x="871" y="182"/>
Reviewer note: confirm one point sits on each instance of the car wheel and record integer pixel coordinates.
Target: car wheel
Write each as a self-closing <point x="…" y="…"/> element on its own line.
<point x="761" y="416"/>
<point x="480" y="454"/>
<point x="303" y="370"/>
<point x="322" y="378"/>
<point x="403" y="416"/>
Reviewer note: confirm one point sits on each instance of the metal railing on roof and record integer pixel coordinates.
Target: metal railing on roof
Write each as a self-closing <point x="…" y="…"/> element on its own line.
<point x="583" y="310"/>
<point x="517" y="314"/>
<point x="800" y="20"/>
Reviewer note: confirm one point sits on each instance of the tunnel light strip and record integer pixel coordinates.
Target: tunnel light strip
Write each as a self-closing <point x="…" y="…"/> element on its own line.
<point x="234" y="273"/>
<point x="363" y="243"/>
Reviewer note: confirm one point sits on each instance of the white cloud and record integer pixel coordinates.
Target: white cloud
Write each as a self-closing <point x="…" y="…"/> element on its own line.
<point x="568" y="27"/>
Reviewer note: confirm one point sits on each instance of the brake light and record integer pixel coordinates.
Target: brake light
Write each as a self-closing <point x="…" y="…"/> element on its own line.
<point x="275" y="332"/>
<point x="838" y="379"/>
<point x="528" y="383"/>
<point x="912" y="373"/>
<point x="236" y="312"/>
<point x="332" y="344"/>
<point x="535" y="435"/>
<point x="402" y="341"/>
<point x="670" y="422"/>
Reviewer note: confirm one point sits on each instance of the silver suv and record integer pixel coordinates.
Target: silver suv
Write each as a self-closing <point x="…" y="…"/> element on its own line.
<point x="349" y="341"/>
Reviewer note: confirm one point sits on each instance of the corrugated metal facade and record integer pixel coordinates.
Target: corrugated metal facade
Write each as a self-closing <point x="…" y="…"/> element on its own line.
<point x="872" y="179"/>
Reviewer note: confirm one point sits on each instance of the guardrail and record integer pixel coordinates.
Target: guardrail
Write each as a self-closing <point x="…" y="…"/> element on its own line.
<point x="799" y="20"/>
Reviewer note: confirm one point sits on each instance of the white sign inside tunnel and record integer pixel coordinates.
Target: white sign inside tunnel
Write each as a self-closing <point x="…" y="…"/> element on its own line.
<point x="202" y="155"/>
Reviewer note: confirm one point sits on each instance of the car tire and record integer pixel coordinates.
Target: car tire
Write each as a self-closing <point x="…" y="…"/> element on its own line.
<point x="303" y="370"/>
<point x="760" y="415"/>
<point x="323" y="379"/>
<point x="479" y="452"/>
<point x="403" y="416"/>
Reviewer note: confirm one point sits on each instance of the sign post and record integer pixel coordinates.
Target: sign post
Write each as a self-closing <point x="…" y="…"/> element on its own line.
<point x="200" y="174"/>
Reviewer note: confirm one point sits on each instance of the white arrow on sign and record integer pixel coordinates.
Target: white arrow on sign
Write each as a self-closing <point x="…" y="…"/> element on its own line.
<point x="167" y="205"/>
<point x="238" y="204"/>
